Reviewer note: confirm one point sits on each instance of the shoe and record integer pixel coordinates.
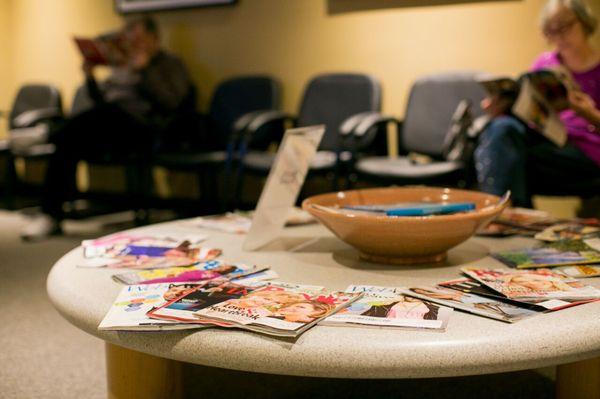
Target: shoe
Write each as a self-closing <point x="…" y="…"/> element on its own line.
<point x="40" y="227"/>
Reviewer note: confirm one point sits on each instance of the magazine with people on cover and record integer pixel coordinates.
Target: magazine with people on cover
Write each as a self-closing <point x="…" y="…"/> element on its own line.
<point x="471" y="286"/>
<point x="184" y="301"/>
<point x="144" y="251"/>
<point x="559" y="253"/>
<point x="581" y="271"/>
<point x="279" y="309"/>
<point x="539" y="97"/>
<point x="203" y="271"/>
<point x="389" y="307"/>
<point x="128" y="312"/>
<point x="518" y="221"/>
<point x="471" y="303"/>
<point x="572" y="230"/>
<point x="536" y="284"/>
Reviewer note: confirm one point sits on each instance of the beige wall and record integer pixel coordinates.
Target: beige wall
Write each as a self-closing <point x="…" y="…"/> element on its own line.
<point x="290" y="39"/>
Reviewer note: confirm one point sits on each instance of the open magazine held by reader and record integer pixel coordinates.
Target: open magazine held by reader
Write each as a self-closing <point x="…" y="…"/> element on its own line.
<point x="542" y="95"/>
<point x="109" y="49"/>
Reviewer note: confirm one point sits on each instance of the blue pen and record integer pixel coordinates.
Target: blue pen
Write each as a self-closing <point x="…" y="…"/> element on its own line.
<point x="433" y="209"/>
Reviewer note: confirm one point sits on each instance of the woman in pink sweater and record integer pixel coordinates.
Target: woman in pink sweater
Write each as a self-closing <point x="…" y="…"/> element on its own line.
<point x="510" y="157"/>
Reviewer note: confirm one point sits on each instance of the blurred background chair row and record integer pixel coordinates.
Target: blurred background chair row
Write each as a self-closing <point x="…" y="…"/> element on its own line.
<point x="232" y="146"/>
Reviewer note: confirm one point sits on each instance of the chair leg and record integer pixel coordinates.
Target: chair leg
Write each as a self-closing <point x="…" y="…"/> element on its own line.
<point x="11" y="181"/>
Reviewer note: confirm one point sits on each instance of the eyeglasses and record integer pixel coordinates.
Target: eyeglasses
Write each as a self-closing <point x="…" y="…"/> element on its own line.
<point x="559" y="29"/>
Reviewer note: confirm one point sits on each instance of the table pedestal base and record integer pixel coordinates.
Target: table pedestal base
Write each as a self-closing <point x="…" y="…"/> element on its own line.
<point x="136" y="375"/>
<point x="579" y="380"/>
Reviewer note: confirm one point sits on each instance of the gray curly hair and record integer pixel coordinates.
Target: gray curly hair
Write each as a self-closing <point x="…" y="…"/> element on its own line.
<point x="578" y="7"/>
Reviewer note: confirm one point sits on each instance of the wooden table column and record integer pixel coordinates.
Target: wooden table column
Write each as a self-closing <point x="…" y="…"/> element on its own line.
<point x="579" y="380"/>
<point x="136" y="375"/>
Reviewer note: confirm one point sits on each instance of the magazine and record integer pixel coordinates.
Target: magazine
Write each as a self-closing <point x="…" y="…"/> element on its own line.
<point x="575" y="230"/>
<point x="230" y="222"/>
<point x="108" y="49"/>
<point x="581" y="271"/>
<point x="279" y="309"/>
<point x="542" y="95"/>
<point x="111" y="244"/>
<point x="471" y="303"/>
<point x="518" y="221"/>
<point x="532" y="284"/>
<point x="559" y="253"/>
<point x="182" y="306"/>
<point x="125" y="250"/>
<point x="389" y="307"/>
<point x="239" y="222"/>
<point x="128" y="312"/>
<point x="471" y="286"/>
<point x="204" y="271"/>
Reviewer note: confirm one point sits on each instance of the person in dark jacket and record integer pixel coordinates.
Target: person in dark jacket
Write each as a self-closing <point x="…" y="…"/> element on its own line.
<point x="132" y="109"/>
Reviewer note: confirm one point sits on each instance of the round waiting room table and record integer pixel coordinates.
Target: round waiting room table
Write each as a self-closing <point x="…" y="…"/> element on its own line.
<point x="312" y="255"/>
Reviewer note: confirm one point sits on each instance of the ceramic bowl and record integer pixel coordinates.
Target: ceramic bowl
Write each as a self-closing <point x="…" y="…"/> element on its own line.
<point x="403" y="240"/>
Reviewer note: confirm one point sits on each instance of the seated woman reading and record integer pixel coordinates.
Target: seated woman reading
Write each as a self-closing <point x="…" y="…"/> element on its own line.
<point x="508" y="153"/>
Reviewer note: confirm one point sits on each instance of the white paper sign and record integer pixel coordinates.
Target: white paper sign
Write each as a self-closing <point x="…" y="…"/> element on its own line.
<point x="285" y="180"/>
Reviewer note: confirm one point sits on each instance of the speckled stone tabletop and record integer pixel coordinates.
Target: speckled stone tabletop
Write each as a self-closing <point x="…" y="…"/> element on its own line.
<point x="312" y="255"/>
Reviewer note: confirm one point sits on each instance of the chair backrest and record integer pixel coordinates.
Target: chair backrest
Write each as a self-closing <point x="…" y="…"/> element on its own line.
<point x="330" y="99"/>
<point x="431" y="104"/>
<point x="81" y="101"/>
<point x="238" y="96"/>
<point x="33" y="97"/>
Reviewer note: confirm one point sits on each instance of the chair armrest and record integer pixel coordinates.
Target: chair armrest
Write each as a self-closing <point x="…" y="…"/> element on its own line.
<point x="241" y="124"/>
<point x="361" y="129"/>
<point x="31" y="117"/>
<point x="370" y="121"/>
<point x="348" y="126"/>
<point x="265" y="118"/>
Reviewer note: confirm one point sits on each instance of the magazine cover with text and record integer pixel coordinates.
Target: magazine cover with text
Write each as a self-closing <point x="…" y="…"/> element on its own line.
<point x="389" y="307"/>
<point x="573" y="230"/>
<point x="128" y="312"/>
<point x="137" y="251"/>
<point x="472" y="303"/>
<point x="279" y="309"/>
<point x="558" y="253"/>
<point x="183" y="305"/>
<point x="532" y="284"/>
<point x="203" y="271"/>
<point x="471" y="286"/>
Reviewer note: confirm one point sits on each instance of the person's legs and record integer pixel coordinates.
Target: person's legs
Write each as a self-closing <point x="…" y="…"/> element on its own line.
<point x="500" y="159"/>
<point x="94" y="133"/>
<point x="566" y="170"/>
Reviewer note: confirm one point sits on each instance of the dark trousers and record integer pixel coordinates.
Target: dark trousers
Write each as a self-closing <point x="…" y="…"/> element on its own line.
<point x="512" y="157"/>
<point x="104" y="134"/>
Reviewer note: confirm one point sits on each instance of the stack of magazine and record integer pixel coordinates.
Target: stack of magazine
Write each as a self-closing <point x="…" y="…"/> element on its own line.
<point x="508" y="295"/>
<point x="277" y="308"/>
<point x="130" y="308"/>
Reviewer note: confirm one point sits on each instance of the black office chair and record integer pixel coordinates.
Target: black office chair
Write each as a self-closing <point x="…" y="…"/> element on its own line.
<point x="432" y="102"/>
<point x="35" y="105"/>
<point x="211" y="149"/>
<point x="329" y="99"/>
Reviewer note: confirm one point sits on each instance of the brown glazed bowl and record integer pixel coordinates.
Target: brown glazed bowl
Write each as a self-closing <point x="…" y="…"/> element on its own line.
<point x="405" y="239"/>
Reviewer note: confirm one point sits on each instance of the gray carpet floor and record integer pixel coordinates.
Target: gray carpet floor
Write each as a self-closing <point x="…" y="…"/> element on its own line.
<point x="43" y="356"/>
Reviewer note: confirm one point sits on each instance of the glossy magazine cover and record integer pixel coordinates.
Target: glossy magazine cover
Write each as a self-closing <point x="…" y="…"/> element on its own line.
<point x="389" y="307"/>
<point x="279" y="308"/>
<point x="532" y="284"/>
